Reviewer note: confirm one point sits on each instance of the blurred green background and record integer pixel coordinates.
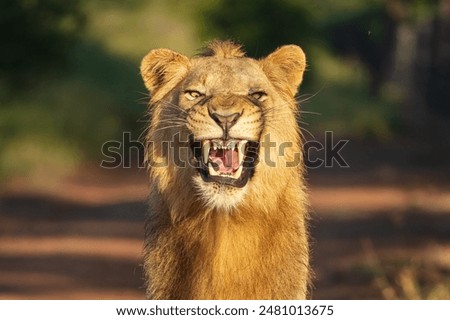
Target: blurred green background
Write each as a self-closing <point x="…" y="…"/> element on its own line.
<point x="69" y="77"/>
<point x="378" y="75"/>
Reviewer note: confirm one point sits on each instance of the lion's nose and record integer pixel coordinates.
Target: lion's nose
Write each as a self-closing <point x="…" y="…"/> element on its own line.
<point x="226" y="121"/>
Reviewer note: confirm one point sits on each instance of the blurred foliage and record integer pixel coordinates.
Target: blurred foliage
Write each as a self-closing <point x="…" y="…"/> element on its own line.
<point x="36" y="36"/>
<point x="368" y="35"/>
<point x="130" y="28"/>
<point x="69" y="70"/>
<point x="63" y="94"/>
<point x="261" y="25"/>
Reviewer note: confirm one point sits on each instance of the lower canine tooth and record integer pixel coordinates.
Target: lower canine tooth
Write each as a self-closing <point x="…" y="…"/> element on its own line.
<point x="206" y="147"/>
<point x="241" y="151"/>
<point x="211" y="170"/>
<point x="238" y="173"/>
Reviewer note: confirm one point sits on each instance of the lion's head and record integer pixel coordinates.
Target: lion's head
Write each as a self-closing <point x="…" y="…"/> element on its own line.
<point x="223" y="125"/>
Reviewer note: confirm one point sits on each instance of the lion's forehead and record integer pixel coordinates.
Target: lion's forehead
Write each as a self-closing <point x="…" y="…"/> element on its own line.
<point x="235" y="75"/>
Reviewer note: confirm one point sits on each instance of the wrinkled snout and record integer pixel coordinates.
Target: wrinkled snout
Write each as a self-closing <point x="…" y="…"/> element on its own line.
<point x="225" y="111"/>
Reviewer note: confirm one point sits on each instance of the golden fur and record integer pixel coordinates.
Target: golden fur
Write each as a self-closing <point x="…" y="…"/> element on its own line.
<point x="205" y="240"/>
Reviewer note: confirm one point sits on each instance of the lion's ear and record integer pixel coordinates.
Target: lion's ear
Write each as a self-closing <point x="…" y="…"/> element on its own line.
<point x="162" y="70"/>
<point x="284" y="67"/>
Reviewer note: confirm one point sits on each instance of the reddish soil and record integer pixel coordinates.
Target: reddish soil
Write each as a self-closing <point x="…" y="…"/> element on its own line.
<point x="378" y="233"/>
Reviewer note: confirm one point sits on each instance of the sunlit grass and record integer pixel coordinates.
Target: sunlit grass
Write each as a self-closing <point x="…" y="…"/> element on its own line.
<point x="42" y="159"/>
<point x="132" y="30"/>
<point x="412" y="279"/>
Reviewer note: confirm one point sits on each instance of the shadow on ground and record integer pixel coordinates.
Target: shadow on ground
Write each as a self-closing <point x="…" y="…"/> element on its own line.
<point x="58" y="249"/>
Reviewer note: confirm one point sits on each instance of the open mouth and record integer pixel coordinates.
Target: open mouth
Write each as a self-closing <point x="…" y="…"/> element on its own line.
<point x="228" y="162"/>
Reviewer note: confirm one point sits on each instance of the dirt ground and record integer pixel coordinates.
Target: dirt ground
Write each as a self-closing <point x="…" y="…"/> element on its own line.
<point x="378" y="232"/>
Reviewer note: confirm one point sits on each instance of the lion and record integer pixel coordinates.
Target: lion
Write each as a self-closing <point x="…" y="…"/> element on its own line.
<point x="228" y="203"/>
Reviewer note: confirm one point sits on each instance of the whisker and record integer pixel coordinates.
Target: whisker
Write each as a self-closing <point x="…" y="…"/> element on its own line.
<point x="307" y="131"/>
<point x="310" y="112"/>
<point x="303" y="122"/>
<point x="173" y="106"/>
<point x="169" y="117"/>
<point x="145" y="99"/>
<point x="274" y="108"/>
<point x="141" y="100"/>
<point x="281" y="107"/>
<point x="143" y="117"/>
<point x="308" y="96"/>
<point x="143" y="93"/>
<point x="174" y="121"/>
<point x="143" y="134"/>
<point x="169" y="105"/>
<point x="165" y="128"/>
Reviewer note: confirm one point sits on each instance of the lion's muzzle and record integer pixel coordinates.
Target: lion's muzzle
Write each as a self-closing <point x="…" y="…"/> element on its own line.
<point x="228" y="162"/>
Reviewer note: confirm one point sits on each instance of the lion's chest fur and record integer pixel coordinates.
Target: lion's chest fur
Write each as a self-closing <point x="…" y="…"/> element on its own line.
<point x="232" y="257"/>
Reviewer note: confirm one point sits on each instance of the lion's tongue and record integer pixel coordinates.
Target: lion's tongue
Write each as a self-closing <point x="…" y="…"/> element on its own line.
<point x="226" y="160"/>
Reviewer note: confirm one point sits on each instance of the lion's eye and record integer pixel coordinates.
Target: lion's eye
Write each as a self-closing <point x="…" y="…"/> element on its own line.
<point x="192" y="94"/>
<point x="259" y="95"/>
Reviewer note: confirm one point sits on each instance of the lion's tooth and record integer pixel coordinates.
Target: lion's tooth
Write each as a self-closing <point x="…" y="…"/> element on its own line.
<point x="206" y="147"/>
<point x="238" y="173"/>
<point x="241" y="150"/>
<point x="242" y="143"/>
<point x="211" y="170"/>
